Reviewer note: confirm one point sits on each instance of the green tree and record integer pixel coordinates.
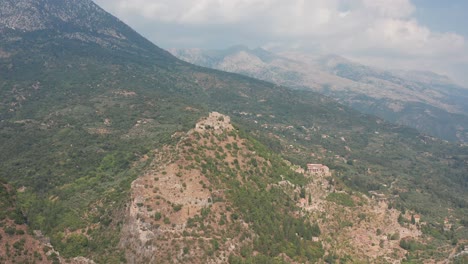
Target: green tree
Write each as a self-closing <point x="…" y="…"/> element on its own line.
<point x="303" y="194"/>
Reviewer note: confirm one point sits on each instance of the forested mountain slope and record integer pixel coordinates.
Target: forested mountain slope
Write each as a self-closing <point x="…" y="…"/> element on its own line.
<point x="82" y="111"/>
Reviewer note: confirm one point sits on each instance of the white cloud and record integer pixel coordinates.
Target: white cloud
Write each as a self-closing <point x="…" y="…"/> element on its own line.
<point x="357" y="28"/>
<point x="185" y="11"/>
<point x="389" y="8"/>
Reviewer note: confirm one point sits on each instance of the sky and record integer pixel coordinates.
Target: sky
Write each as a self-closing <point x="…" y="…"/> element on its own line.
<point x="390" y="34"/>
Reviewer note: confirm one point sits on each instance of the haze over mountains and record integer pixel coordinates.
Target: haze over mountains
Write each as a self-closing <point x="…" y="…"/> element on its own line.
<point x="424" y="100"/>
<point x="115" y="151"/>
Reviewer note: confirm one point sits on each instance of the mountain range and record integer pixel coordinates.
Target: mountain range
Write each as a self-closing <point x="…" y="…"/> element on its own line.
<point x="115" y="151"/>
<point x="427" y="101"/>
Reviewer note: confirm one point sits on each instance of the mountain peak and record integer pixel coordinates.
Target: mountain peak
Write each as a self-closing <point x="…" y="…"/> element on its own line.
<point x="32" y="15"/>
<point x="64" y="20"/>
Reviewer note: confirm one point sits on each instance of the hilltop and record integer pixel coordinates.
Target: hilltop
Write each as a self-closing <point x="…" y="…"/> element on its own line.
<point x="215" y="196"/>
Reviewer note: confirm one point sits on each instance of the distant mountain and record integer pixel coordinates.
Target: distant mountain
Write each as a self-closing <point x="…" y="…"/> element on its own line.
<point x="423" y="100"/>
<point x="116" y="156"/>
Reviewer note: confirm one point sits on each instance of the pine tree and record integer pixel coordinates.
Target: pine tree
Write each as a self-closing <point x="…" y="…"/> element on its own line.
<point x="303" y="194"/>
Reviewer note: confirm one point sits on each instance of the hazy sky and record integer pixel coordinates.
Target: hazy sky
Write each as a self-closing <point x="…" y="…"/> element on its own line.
<point x="403" y="34"/>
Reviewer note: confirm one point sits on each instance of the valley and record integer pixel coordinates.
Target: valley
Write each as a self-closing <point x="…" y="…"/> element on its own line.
<point x="426" y="101"/>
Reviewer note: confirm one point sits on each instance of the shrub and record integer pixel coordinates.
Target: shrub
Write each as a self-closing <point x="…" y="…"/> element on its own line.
<point x="186" y="250"/>
<point x="157" y="216"/>
<point x="10" y="230"/>
<point x="177" y="207"/>
<point x="395" y="236"/>
<point x="75" y="245"/>
<point x="341" y="199"/>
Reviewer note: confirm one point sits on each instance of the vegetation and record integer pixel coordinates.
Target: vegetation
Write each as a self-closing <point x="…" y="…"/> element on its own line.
<point x="264" y="209"/>
<point x="78" y="120"/>
<point x="341" y="198"/>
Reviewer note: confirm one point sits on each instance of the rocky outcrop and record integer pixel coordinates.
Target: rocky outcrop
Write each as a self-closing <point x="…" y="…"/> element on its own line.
<point x="81" y="260"/>
<point x="216" y="122"/>
<point x="175" y="210"/>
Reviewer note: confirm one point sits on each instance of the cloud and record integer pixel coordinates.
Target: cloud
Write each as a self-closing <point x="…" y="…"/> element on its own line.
<point x="389" y="8"/>
<point x="191" y="12"/>
<point x="378" y="29"/>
